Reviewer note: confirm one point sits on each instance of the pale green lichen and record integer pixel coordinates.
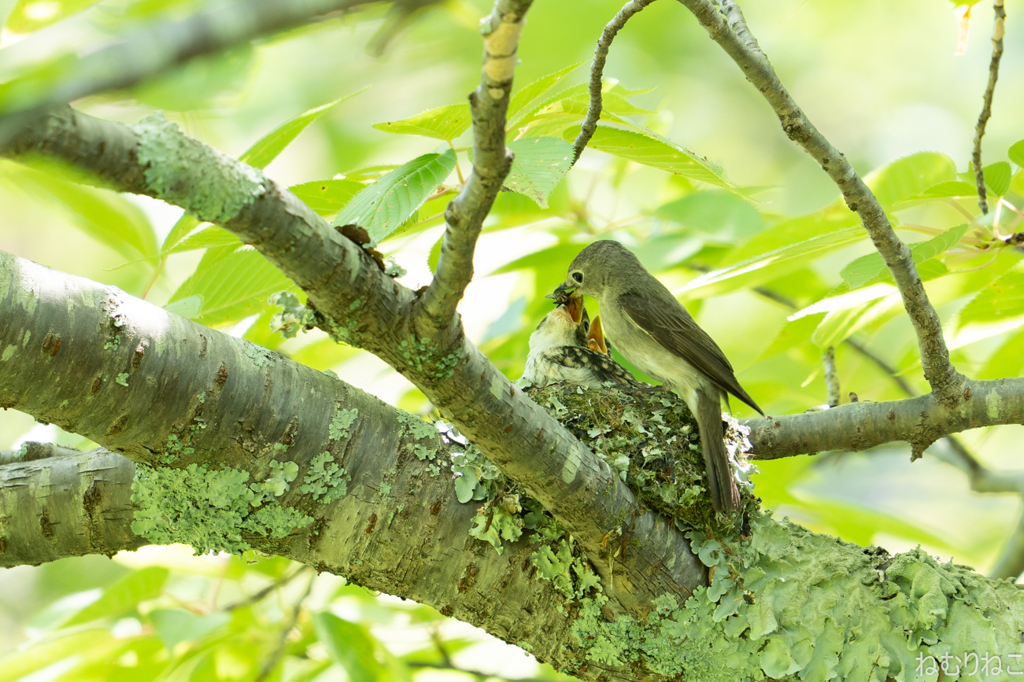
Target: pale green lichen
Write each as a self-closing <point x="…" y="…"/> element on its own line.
<point x="175" y="448"/>
<point x="783" y="602"/>
<point x="211" y="510"/>
<point x="325" y="479"/>
<point x="419" y="428"/>
<point x="424" y="356"/>
<point x="9" y="353"/>
<point x="185" y="172"/>
<point x="260" y="356"/>
<point x="276" y="483"/>
<point x="122" y="379"/>
<point x="291" y="316"/>
<point x="341" y="422"/>
<point x="788" y="602"/>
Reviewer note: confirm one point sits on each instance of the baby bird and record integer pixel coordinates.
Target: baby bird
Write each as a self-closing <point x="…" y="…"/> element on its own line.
<point x="566" y="347"/>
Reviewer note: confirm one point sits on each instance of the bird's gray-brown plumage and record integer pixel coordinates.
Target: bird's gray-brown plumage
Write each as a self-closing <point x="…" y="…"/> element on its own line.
<point x="655" y="333"/>
<point x="559" y="351"/>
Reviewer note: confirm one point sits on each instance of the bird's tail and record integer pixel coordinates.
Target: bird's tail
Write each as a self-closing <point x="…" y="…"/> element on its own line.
<point x="724" y="494"/>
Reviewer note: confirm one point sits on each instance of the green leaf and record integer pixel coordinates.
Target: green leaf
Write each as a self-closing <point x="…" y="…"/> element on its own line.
<point x="200" y="83"/>
<point x="539" y="165"/>
<point x="870" y="268"/>
<point x="351" y="645"/>
<point x="18" y="665"/>
<point x="952" y="188"/>
<point x="768" y="266"/>
<point x="259" y="155"/>
<point x="655" y="151"/>
<point x="839" y="325"/>
<point x="528" y="93"/>
<point x="230" y="284"/>
<point x="273" y="143"/>
<point x="443" y="123"/>
<point x="179" y="625"/>
<point x="1001" y="302"/>
<point x="1007" y="361"/>
<point x="997" y="177"/>
<point x="723" y="216"/>
<point x="107" y="217"/>
<point x="186" y="223"/>
<point x="1016" y="152"/>
<point x="124" y="595"/>
<point x="910" y="176"/>
<point x="327" y="197"/>
<point x="210" y="236"/>
<point x="386" y="204"/>
<point x="550" y="262"/>
<point x="31" y="15"/>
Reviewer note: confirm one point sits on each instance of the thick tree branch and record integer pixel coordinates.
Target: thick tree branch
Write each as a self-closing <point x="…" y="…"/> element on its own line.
<point x="396" y="527"/>
<point x="604" y="43"/>
<point x="362" y="306"/>
<point x="152" y="50"/>
<point x="945" y="381"/>
<point x="859" y="426"/>
<point x="986" y="109"/>
<point x="491" y="163"/>
<point x="177" y="397"/>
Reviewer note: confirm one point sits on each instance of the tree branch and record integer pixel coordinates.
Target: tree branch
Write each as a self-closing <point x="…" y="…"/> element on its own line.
<point x="863" y="425"/>
<point x="945" y="381"/>
<point x="151" y="51"/>
<point x="491" y="163"/>
<point x="604" y="43"/>
<point x="220" y="410"/>
<point x="360" y="305"/>
<point x="397" y="528"/>
<point x="986" y="110"/>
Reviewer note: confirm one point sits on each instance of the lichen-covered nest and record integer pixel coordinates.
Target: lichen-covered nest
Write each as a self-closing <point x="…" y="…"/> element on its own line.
<point x="650" y="439"/>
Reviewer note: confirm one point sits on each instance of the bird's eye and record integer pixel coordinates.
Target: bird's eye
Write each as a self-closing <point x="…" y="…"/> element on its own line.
<point x="578" y="276"/>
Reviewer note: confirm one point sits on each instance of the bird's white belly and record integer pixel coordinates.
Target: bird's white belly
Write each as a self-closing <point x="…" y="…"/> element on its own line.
<point x="645" y="353"/>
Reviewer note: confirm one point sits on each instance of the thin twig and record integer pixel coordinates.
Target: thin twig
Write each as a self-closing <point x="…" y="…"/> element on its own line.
<point x="604" y="43"/>
<point x="479" y="674"/>
<point x="831" y="376"/>
<point x="275" y="656"/>
<point x="259" y="596"/>
<point x="946" y="383"/>
<point x="491" y="163"/>
<point x="1010" y="563"/>
<point x="986" y="109"/>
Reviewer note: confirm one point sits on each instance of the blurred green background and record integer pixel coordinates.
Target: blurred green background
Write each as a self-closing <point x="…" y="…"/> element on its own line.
<point x="882" y="80"/>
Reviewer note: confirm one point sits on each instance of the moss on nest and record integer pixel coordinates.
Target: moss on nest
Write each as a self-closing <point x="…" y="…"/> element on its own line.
<point x="651" y="440"/>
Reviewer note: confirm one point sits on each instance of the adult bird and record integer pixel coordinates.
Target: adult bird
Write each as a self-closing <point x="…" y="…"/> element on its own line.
<point x="566" y="347"/>
<point x="655" y="333"/>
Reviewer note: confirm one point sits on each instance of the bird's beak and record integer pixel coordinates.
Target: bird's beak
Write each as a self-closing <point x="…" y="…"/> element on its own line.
<point x="562" y="311"/>
<point x="595" y="340"/>
<point x="575" y="307"/>
<point x="562" y="292"/>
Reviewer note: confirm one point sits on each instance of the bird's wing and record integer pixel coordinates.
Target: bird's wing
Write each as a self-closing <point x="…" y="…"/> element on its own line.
<point x="673" y="328"/>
